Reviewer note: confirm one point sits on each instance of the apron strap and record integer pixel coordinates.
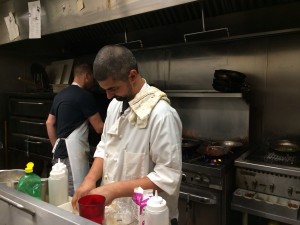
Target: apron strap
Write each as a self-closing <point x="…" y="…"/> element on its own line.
<point x="56" y="143"/>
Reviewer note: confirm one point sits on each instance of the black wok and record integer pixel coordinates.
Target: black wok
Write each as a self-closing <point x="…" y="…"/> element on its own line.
<point x="229" y="75"/>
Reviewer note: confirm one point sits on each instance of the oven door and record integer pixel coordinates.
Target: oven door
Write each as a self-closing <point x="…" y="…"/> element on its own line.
<point x="199" y="205"/>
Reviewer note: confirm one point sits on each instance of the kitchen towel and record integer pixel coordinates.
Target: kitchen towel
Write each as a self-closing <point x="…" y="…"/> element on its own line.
<point x="142" y="105"/>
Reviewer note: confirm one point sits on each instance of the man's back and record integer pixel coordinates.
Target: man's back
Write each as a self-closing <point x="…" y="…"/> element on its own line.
<point x="71" y="107"/>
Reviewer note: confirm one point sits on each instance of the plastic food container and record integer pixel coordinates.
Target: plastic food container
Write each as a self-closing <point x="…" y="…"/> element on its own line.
<point x="261" y="197"/>
<point x="267" y="203"/>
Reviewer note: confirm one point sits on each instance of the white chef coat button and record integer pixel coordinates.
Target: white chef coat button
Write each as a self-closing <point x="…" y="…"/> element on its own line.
<point x="106" y="155"/>
<point x="105" y="177"/>
<point x="115" y="159"/>
<point x="121" y="136"/>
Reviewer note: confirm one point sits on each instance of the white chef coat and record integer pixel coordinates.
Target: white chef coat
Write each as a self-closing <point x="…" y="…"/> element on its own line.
<point x="130" y="152"/>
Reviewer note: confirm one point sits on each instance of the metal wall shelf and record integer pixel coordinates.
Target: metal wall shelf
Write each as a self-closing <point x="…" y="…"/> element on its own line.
<point x="201" y="94"/>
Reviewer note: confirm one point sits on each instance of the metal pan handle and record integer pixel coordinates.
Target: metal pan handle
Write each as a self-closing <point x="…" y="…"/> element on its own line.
<point x="197" y="198"/>
<point x="30" y="122"/>
<point x="17" y="205"/>
<point x="34" y="142"/>
<point x="31" y="103"/>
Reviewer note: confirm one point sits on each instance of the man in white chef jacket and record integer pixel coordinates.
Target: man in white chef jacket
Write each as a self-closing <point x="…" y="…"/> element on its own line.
<point x="141" y="142"/>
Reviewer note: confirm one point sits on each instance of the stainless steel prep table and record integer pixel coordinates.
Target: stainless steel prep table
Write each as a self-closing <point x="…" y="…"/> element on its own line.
<point x="18" y="208"/>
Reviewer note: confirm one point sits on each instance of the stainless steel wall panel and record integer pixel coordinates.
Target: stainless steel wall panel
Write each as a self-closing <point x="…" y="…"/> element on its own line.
<point x="214" y="118"/>
<point x="272" y="69"/>
<point x="154" y="65"/>
<point x="192" y="67"/>
<point x="282" y="108"/>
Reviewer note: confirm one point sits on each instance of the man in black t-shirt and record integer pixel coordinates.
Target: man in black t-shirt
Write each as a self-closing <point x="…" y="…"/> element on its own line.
<point x="67" y="124"/>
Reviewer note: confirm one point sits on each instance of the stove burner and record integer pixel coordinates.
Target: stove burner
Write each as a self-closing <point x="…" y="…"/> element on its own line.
<point x="206" y="159"/>
<point x="199" y="159"/>
<point x="216" y="161"/>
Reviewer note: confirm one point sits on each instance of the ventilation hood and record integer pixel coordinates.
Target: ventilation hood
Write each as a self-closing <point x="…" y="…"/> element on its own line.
<point x="65" y="30"/>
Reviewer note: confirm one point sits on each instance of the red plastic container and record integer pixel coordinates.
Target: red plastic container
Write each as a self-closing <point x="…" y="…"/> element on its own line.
<point x="92" y="207"/>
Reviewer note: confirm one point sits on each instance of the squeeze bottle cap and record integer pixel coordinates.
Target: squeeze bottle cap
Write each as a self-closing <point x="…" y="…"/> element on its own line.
<point x="56" y="171"/>
<point x="61" y="165"/>
<point x="29" y="167"/>
<point x="156" y="203"/>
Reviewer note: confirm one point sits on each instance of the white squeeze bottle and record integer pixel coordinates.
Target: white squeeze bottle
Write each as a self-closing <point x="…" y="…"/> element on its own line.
<point x="62" y="166"/>
<point x="58" y="185"/>
<point x="157" y="211"/>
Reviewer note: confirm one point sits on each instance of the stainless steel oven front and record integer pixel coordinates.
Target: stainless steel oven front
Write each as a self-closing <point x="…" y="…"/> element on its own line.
<point x="198" y="205"/>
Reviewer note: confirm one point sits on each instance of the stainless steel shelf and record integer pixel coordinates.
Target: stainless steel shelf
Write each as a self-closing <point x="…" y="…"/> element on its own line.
<point x="264" y="213"/>
<point x="201" y="94"/>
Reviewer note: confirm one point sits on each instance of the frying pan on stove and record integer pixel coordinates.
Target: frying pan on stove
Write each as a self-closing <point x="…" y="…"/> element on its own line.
<point x="231" y="145"/>
<point x="284" y="147"/>
<point x="214" y="150"/>
<point x="190" y="144"/>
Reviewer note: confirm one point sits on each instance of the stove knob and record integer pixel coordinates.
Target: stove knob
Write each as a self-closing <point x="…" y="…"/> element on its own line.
<point x="290" y="191"/>
<point x="205" y="180"/>
<point x="198" y="179"/>
<point x="254" y="184"/>
<point x="246" y="184"/>
<point x="271" y="187"/>
<point x="183" y="177"/>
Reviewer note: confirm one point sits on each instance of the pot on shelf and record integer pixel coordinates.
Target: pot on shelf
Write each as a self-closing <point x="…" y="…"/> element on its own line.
<point x="230" y="75"/>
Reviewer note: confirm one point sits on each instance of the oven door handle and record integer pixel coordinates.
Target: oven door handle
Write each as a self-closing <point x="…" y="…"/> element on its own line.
<point x="199" y="199"/>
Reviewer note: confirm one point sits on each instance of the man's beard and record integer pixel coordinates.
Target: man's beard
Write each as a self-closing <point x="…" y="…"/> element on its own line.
<point x="127" y="97"/>
<point x="121" y="98"/>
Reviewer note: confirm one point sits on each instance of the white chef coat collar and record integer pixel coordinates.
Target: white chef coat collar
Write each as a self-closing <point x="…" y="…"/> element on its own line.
<point x="75" y="83"/>
<point x="145" y="86"/>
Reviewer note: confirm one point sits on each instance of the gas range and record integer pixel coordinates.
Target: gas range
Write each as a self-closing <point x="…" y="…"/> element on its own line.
<point x="206" y="187"/>
<point x="261" y="159"/>
<point x="268" y="184"/>
<point x="196" y="160"/>
<point x="208" y="171"/>
<point x="263" y="156"/>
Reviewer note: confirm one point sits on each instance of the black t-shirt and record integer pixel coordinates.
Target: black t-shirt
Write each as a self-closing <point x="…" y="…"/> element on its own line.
<point x="71" y="107"/>
<point x="102" y="103"/>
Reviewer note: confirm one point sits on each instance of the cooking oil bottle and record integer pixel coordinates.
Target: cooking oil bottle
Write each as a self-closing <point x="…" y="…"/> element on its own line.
<point x="30" y="183"/>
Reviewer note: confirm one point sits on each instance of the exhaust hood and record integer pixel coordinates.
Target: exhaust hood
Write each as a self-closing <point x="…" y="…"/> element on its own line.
<point x="65" y="30"/>
<point x="58" y="15"/>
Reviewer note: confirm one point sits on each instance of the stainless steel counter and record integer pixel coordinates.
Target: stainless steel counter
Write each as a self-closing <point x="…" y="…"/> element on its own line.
<point x="18" y="208"/>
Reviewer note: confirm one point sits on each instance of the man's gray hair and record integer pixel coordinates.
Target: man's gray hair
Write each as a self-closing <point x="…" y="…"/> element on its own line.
<point x="114" y="61"/>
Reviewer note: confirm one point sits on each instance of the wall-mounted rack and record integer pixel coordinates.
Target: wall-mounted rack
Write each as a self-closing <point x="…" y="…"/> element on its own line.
<point x="201" y="93"/>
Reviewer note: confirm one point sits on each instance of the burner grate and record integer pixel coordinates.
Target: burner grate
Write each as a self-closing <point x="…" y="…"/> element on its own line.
<point x="273" y="158"/>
